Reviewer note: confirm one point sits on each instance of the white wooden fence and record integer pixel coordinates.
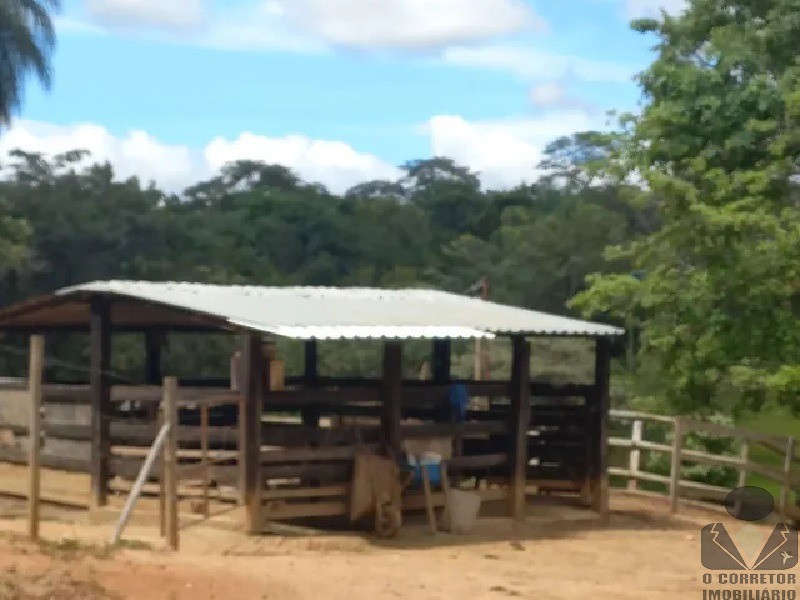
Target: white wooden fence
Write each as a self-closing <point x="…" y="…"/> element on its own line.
<point x="788" y="478"/>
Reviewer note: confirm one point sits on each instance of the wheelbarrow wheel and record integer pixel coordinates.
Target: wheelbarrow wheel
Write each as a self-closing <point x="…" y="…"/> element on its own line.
<point x="387" y="520"/>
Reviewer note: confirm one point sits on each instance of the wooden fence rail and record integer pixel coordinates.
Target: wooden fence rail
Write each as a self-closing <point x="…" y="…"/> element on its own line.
<point x="785" y="447"/>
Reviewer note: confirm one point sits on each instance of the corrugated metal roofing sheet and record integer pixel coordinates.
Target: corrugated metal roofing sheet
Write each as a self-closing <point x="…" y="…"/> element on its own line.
<point x="349" y="313"/>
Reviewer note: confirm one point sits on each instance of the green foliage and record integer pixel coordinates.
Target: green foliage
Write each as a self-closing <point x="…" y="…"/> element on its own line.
<point x="717" y="148"/>
<point x="64" y="221"/>
<point x="26" y="39"/>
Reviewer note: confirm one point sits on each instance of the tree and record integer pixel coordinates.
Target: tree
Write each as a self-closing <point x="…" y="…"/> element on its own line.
<point x="717" y="147"/>
<point x="26" y="41"/>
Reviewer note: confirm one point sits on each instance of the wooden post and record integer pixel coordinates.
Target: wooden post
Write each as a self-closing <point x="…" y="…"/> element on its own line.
<point x="441" y="361"/>
<point x="310" y="415"/>
<point x="744" y="454"/>
<point x="162" y="475"/>
<point x="520" y="421"/>
<point x="635" y="456"/>
<point x="392" y="397"/>
<point x="153" y="342"/>
<point x="170" y="406"/>
<point x="35" y="432"/>
<point x="256" y="370"/>
<point x="602" y="383"/>
<point x="100" y="363"/>
<point x="787" y="477"/>
<point x="204" y="458"/>
<point x="675" y="469"/>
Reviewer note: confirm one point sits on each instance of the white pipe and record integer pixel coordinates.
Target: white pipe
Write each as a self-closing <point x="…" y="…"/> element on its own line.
<point x="140" y="480"/>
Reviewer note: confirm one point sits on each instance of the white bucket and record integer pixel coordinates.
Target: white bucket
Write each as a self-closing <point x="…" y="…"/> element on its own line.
<point x="464" y="508"/>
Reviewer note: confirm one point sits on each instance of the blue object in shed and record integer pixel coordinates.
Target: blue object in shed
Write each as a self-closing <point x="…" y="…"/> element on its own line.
<point x="459" y="400"/>
<point x="434" y="468"/>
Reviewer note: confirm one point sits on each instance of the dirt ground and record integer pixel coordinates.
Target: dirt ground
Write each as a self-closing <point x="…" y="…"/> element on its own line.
<point x="561" y="552"/>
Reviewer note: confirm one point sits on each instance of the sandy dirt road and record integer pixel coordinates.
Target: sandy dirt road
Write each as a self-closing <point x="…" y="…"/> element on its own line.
<point x="560" y="553"/>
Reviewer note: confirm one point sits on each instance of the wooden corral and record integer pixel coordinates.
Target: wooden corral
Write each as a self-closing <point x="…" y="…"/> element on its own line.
<point x="289" y="452"/>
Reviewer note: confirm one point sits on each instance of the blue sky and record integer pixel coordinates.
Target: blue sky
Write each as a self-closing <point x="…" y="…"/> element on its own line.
<point x="339" y="90"/>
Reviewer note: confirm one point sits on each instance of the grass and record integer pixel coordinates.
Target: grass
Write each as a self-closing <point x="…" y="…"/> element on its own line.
<point x="775" y="422"/>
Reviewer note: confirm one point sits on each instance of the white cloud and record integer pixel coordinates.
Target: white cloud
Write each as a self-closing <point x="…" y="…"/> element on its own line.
<point x="532" y="64"/>
<point x="174" y="167"/>
<point x="336" y="164"/>
<point x="407" y="23"/>
<point x="504" y="152"/>
<point x="160" y="14"/>
<point x="300" y="25"/>
<point x="137" y="153"/>
<point x="548" y="95"/>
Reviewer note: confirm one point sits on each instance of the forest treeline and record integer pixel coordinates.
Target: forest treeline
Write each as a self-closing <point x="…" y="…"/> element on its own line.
<point x="682" y="224"/>
<point x="66" y="220"/>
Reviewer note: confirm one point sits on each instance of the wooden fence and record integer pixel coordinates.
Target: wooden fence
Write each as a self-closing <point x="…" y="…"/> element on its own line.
<point x="678" y="485"/>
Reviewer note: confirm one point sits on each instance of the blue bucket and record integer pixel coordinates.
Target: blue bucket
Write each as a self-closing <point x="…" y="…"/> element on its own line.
<point x="434" y="468"/>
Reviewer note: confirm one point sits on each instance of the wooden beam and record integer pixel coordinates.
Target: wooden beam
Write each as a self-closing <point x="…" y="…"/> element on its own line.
<point x="100" y="386"/>
<point x="441" y="361"/>
<point x="392" y="397"/>
<point x="256" y="369"/>
<point x="520" y="419"/>
<point x="153" y="342"/>
<point x="602" y="376"/>
<point x="119" y="328"/>
<point x="34" y="440"/>
<point x="310" y="415"/>
<point x="170" y="408"/>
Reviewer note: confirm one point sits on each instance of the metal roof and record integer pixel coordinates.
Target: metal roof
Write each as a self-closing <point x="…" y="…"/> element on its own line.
<point x="346" y="313"/>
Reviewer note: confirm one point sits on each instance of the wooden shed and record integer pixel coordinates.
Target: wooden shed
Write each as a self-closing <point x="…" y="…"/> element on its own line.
<point x="528" y="436"/>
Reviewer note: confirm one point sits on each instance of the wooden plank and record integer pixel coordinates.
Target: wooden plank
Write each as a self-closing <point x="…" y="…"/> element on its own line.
<point x="638" y="445"/>
<point x="34" y="445"/>
<point x="733" y="432"/>
<point x="697" y="456"/>
<point x="331" y="472"/>
<point x="307" y="492"/>
<point x="100" y="364"/>
<point x="66" y="394"/>
<point x="641" y="475"/>
<point x="18" y="456"/>
<point x="631" y="415"/>
<point x="520" y="418"/>
<point x="298" y="435"/>
<point x="277" y="511"/>
<point x="310" y="454"/>
<point x="478" y="461"/>
<point x="675" y="467"/>
<point x="170" y="460"/>
<point x="289" y="400"/>
<point x="466" y="429"/>
<point x="553" y="484"/>
<point x="392" y="394"/>
<point x="131" y="434"/>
